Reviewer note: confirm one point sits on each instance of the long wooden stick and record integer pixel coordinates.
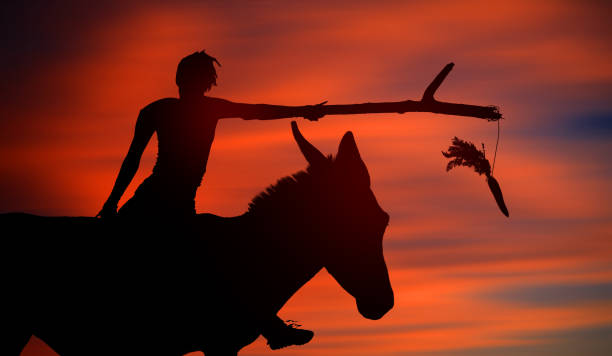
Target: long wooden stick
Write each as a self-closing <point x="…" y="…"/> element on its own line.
<point x="426" y="104"/>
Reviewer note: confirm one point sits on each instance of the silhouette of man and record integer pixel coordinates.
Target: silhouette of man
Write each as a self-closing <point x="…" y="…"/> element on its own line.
<point x="185" y="130"/>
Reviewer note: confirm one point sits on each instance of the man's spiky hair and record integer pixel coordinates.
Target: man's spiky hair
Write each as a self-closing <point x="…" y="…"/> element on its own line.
<point x="197" y="69"/>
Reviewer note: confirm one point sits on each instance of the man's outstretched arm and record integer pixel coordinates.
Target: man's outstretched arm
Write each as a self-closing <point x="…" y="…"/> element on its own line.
<point x="142" y="135"/>
<point x="270" y="112"/>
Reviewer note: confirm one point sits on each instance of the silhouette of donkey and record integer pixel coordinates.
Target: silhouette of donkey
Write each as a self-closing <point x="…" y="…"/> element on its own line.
<point x="92" y="287"/>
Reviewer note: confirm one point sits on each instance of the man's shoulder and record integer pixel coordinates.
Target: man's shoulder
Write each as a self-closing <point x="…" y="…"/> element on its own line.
<point x="160" y="104"/>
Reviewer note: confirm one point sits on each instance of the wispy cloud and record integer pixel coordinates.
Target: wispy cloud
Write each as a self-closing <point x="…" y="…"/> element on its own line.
<point x="554" y="295"/>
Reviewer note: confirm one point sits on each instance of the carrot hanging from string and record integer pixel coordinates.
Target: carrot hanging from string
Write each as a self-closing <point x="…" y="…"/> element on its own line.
<point x="464" y="153"/>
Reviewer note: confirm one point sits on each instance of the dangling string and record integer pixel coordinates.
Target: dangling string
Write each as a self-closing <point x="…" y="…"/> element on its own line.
<point x="496" y="144"/>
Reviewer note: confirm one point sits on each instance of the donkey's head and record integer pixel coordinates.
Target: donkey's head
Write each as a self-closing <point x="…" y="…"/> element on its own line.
<point x="354" y="225"/>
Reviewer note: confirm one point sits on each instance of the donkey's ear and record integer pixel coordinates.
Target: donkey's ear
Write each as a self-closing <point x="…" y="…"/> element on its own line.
<point x="349" y="159"/>
<point x="311" y="153"/>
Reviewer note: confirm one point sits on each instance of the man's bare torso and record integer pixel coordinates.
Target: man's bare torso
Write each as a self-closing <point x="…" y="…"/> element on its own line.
<point x="185" y="132"/>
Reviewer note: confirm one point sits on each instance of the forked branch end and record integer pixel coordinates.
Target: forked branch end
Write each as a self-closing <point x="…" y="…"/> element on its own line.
<point x="428" y="96"/>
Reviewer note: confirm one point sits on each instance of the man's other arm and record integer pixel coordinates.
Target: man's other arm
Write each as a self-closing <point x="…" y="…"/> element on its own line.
<point x="142" y="134"/>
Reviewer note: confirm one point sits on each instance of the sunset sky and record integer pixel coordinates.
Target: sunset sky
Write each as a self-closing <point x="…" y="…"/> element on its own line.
<point x="467" y="280"/>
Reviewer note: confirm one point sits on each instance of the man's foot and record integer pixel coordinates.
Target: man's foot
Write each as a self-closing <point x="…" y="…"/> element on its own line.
<point x="289" y="335"/>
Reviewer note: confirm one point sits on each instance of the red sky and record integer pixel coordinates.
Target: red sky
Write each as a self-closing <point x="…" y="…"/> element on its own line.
<point x="468" y="281"/>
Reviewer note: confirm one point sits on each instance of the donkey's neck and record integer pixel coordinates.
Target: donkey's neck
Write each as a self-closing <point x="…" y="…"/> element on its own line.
<point x="284" y="256"/>
<point x="286" y="235"/>
<point x="275" y="250"/>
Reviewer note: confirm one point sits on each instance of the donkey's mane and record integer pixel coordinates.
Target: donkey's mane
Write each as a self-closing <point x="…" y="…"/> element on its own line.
<point x="284" y="192"/>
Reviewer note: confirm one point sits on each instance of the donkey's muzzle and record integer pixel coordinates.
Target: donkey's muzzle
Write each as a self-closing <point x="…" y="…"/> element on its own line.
<point x="376" y="308"/>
